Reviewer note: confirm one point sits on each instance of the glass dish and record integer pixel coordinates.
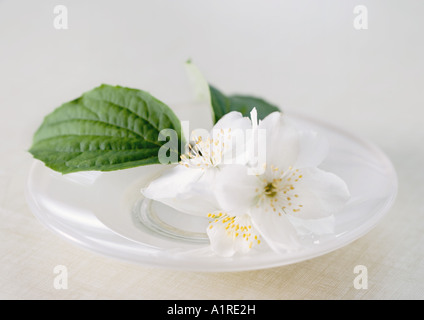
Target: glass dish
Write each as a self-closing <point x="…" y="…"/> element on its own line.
<point x="106" y="213"/>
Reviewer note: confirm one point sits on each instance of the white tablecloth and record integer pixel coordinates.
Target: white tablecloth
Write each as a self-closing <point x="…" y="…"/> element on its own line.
<point x="304" y="55"/>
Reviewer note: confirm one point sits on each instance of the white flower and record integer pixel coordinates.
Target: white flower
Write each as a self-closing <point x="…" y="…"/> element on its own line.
<point x="189" y="186"/>
<point x="291" y="185"/>
<point x="247" y="210"/>
<point x="231" y="234"/>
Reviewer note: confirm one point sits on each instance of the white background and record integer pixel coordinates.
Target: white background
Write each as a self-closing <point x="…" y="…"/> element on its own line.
<point x="301" y="55"/>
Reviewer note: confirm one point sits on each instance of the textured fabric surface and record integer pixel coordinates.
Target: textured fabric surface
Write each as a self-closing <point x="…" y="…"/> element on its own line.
<point x="301" y="54"/>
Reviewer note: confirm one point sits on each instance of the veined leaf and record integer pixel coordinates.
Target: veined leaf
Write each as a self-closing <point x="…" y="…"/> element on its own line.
<point x="107" y="128"/>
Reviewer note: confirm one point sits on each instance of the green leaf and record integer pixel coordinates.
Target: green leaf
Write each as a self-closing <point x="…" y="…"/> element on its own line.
<point x="222" y="104"/>
<point x="108" y="128"/>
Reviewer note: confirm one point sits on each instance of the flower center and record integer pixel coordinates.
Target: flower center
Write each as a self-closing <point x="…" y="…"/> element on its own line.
<point x="270" y="190"/>
<point x="278" y="191"/>
<point x="207" y="153"/>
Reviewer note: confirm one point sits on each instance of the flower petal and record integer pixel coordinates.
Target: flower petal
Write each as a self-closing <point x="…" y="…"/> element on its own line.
<point x="282" y="140"/>
<point x="236" y="190"/>
<point x="229" y="135"/>
<point x="229" y="235"/>
<point x="276" y="230"/>
<point x="184" y="189"/>
<point x="233" y="120"/>
<point x="313" y="148"/>
<point x="314" y="193"/>
<point x="165" y="185"/>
